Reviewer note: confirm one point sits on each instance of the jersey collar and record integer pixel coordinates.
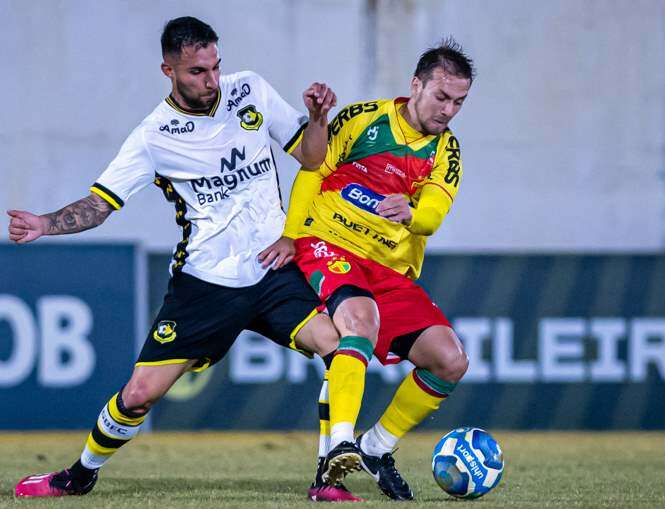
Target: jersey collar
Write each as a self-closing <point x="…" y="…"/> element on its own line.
<point x="170" y="100"/>
<point x="403" y="131"/>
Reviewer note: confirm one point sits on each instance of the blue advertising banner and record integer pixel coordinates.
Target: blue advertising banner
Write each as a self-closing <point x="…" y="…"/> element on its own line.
<point x="555" y="342"/>
<point x="69" y="319"/>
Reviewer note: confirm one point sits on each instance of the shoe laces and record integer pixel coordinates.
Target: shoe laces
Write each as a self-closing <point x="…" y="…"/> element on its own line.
<point x="389" y="464"/>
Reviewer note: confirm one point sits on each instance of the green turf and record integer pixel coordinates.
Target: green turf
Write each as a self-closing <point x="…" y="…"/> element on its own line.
<point x="212" y="470"/>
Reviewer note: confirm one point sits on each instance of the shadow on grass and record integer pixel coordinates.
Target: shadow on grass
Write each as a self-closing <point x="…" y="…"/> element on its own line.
<point x="225" y="487"/>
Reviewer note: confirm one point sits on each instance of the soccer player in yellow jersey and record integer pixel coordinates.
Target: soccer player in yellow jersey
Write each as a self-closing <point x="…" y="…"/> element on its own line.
<point x="361" y="223"/>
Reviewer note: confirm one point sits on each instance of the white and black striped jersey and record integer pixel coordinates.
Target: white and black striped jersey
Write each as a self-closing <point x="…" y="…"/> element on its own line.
<point x="218" y="169"/>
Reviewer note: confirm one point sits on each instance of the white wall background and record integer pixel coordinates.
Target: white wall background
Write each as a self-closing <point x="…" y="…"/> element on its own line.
<point x="563" y="135"/>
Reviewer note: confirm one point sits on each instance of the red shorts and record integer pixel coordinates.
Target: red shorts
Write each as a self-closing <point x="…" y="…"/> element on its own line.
<point x="404" y="307"/>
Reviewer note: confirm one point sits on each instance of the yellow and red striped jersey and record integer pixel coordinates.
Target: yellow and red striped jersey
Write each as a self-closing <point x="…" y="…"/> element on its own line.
<point x="372" y="153"/>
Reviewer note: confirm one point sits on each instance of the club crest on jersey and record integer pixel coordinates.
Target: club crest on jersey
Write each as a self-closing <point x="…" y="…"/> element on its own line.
<point x="362" y="197"/>
<point x="165" y="332"/>
<point x="176" y="128"/>
<point x="250" y="119"/>
<point x="339" y="266"/>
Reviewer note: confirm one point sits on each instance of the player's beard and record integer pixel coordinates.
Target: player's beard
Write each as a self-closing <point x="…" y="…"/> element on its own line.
<point x="195" y="103"/>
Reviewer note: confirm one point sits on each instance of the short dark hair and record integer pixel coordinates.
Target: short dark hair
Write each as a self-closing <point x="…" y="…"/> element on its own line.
<point x="186" y="31"/>
<point x="448" y="55"/>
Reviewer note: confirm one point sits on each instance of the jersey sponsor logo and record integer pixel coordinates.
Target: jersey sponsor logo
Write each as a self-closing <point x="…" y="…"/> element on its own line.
<point x="453" y="154"/>
<point x="362" y="197"/>
<point x="373" y="133"/>
<point x="364" y="230"/>
<point x="214" y="189"/>
<point x="391" y="168"/>
<point x="165" y="331"/>
<point x="361" y="167"/>
<point x="349" y="112"/>
<point x="245" y="89"/>
<point x="321" y="250"/>
<point x="250" y="119"/>
<point x="176" y="128"/>
<point x="339" y="266"/>
<point x="235" y="155"/>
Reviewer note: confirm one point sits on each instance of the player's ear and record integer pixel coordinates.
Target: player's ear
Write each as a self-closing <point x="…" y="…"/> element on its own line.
<point x="416" y="85"/>
<point x="167" y="70"/>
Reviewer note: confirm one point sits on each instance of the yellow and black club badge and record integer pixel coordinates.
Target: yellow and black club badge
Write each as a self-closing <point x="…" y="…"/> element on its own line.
<point x="250" y="119"/>
<point x="165" y="331"/>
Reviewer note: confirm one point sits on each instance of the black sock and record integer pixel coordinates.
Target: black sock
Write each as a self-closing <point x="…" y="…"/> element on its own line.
<point x="82" y="473"/>
<point x="319" y="470"/>
<point x="327" y="359"/>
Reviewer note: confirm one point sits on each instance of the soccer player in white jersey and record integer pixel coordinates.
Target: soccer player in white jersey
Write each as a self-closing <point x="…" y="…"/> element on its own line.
<point x="207" y="146"/>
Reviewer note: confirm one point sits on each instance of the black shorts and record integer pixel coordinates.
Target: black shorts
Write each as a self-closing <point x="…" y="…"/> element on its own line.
<point x="201" y="320"/>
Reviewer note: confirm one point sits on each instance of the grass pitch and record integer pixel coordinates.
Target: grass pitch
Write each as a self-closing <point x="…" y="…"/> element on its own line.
<point x="246" y="470"/>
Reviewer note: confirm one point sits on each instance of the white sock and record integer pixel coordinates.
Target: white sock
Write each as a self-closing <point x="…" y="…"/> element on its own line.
<point x="378" y="441"/>
<point x="341" y="432"/>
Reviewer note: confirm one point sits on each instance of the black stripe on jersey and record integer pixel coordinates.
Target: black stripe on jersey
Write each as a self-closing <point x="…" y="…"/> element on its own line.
<point x="171" y="195"/>
<point x="109" y="193"/>
<point x="292" y="141"/>
<point x="106" y="441"/>
<point x="279" y="188"/>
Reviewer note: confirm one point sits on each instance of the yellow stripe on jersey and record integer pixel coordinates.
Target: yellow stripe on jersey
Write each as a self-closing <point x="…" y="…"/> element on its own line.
<point x="295" y="139"/>
<point x="107" y="196"/>
<point x="202" y="365"/>
<point x="297" y="329"/>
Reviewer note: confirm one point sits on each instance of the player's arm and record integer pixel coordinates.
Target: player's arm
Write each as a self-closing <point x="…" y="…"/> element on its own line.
<point x="306" y="185"/>
<point x="311" y="151"/>
<point x="424" y="219"/>
<point x="436" y="197"/>
<point x="79" y="216"/>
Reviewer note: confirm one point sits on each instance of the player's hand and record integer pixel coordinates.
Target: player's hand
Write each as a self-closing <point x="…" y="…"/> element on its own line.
<point x="25" y="227"/>
<point x="319" y="100"/>
<point x="395" y="207"/>
<point x="278" y="254"/>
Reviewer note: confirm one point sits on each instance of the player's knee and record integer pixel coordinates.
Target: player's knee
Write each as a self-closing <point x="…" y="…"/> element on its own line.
<point x="365" y="324"/>
<point x="138" y="396"/>
<point x="450" y="364"/>
<point x="360" y="320"/>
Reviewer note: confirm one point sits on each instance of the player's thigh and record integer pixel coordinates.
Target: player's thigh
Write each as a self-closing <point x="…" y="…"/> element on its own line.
<point x="285" y="304"/>
<point x="318" y="335"/>
<point x="149" y="383"/>
<point x="340" y="279"/>
<point x="406" y="311"/>
<point x="197" y="321"/>
<point x="439" y="350"/>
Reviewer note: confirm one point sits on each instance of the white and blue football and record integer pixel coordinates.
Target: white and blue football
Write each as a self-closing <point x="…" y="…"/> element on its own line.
<point x="467" y="463"/>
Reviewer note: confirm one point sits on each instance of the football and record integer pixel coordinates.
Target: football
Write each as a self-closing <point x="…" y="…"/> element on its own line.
<point x="467" y="463"/>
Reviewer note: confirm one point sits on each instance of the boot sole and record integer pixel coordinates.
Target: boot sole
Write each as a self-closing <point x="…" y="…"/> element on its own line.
<point x="340" y="466"/>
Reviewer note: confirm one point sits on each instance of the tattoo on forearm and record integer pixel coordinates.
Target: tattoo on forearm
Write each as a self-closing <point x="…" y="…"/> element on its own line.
<point x="76" y="217"/>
